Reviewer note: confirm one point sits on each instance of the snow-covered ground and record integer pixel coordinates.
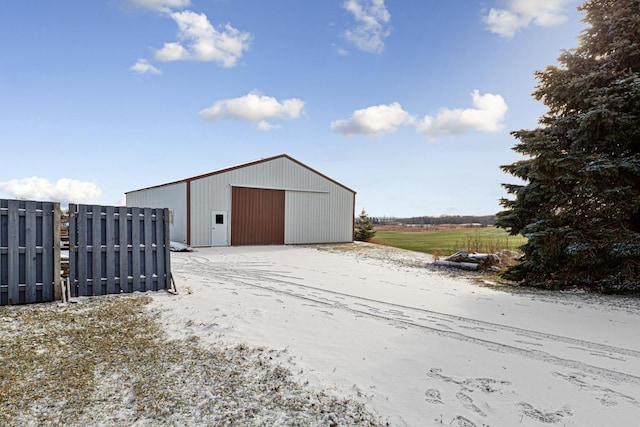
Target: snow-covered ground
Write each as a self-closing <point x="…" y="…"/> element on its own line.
<point x="419" y="347"/>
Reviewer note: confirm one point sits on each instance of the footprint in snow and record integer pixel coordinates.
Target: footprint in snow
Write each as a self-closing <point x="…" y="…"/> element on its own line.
<point x="467" y="402"/>
<point x="463" y="422"/>
<point x="433" y="396"/>
<point x="543" y="417"/>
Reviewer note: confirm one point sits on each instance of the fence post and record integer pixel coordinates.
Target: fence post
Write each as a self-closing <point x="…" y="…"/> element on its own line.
<point x="167" y="250"/>
<point x="73" y="252"/>
<point x="57" y="269"/>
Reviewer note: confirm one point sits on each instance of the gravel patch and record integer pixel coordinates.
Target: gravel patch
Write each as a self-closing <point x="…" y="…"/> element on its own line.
<point x="397" y="257"/>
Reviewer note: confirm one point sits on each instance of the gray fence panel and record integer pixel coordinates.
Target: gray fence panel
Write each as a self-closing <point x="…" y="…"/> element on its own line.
<point x="118" y="250"/>
<point x="29" y="251"/>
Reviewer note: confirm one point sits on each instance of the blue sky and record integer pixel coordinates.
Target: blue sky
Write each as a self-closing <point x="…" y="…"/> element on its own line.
<point x="408" y="102"/>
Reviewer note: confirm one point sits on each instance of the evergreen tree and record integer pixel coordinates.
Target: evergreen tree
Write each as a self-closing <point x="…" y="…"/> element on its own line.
<point x="580" y="204"/>
<point x="364" y="227"/>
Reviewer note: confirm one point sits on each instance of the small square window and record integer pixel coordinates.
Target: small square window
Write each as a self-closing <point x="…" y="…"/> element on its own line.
<point x="219" y="219"/>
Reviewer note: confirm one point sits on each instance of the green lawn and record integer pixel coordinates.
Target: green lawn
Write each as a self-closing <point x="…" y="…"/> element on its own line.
<point x="488" y="239"/>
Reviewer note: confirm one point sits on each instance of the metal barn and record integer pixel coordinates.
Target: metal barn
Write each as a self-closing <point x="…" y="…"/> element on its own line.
<point x="272" y="201"/>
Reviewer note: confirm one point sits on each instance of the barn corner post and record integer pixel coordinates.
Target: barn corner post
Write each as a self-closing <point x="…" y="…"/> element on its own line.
<point x="57" y="268"/>
<point x="353" y="218"/>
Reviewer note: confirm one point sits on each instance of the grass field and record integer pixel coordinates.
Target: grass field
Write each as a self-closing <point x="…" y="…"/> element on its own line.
<point x="447" y="242"/>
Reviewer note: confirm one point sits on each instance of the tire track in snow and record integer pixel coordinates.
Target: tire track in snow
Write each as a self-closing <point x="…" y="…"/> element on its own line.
<point x="250" y="275"/>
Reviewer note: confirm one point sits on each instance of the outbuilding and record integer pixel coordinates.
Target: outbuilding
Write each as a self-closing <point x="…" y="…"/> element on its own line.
<point x="272" y="201"/>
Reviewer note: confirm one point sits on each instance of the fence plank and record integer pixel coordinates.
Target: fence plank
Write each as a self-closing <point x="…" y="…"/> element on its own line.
<point x="73" y="249"/>
<point x="135" y="249"/>
<point x="148" y="250"/>
<point x="123" y="220"/>
<point x="96" y="249"/>
<point x="4" y="287"/>
<point x="167" y="249"/>
<point x="29" y="260"/>
<point x="56" y="269"/>
<point x="83" y="255"/>
<point x="13" y="263"/>
<point x="159" y="254"/>
<point x="110" y="250"/>
<point x="47" y="250"/>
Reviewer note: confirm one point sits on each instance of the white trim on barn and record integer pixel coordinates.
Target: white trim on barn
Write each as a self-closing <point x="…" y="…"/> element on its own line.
<point x="300" y="205"/>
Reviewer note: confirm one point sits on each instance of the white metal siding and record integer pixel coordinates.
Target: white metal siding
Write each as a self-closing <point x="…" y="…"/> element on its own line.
<point x="306" y="217"/>
<point x="317" y="210"/>
<point x="208" y="194"/>
<point x="330" y="218"/>
<point x="172" y="196"/>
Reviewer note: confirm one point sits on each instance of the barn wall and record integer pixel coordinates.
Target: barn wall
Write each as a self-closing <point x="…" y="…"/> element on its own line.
<point x="307" y="219"/>
<point x="172" y="196"/>
<point x="208" y="194"/>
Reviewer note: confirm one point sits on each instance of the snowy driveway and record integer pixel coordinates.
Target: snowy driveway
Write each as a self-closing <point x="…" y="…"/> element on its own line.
<point x="419" y="347"/>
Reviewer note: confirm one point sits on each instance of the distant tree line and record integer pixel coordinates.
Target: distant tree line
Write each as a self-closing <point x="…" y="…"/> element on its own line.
<point x="484" y="220"/>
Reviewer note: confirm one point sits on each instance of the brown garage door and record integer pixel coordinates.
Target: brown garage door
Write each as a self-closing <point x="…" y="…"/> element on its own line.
<point x="257" y="216"/>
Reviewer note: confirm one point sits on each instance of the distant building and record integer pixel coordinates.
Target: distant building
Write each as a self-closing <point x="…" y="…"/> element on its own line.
<point x="272" y="201"/>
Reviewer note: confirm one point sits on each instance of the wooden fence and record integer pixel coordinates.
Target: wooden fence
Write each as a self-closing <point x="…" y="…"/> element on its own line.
<point x="118" y="249"/>
<point x="111" y="250"/>
<point x="29" y="251"/>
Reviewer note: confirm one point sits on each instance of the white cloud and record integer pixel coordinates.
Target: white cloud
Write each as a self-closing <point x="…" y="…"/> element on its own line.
<point x="266" y="126"/>
<point x="159" y="5"/>
<point x="171" y="52"/>
<point x="374" y="121"/>
<point x="198" y="40"/>
<point x="519" y="14"/>
<point x="63" y="190"/>
<point x="143" y="66"/>
<point x="372" y="24"/>
<point x="254" y="107"/>
<point x="486" y="116"/>
<point x="342" y="52"/>
<point x="504" y="22"/>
